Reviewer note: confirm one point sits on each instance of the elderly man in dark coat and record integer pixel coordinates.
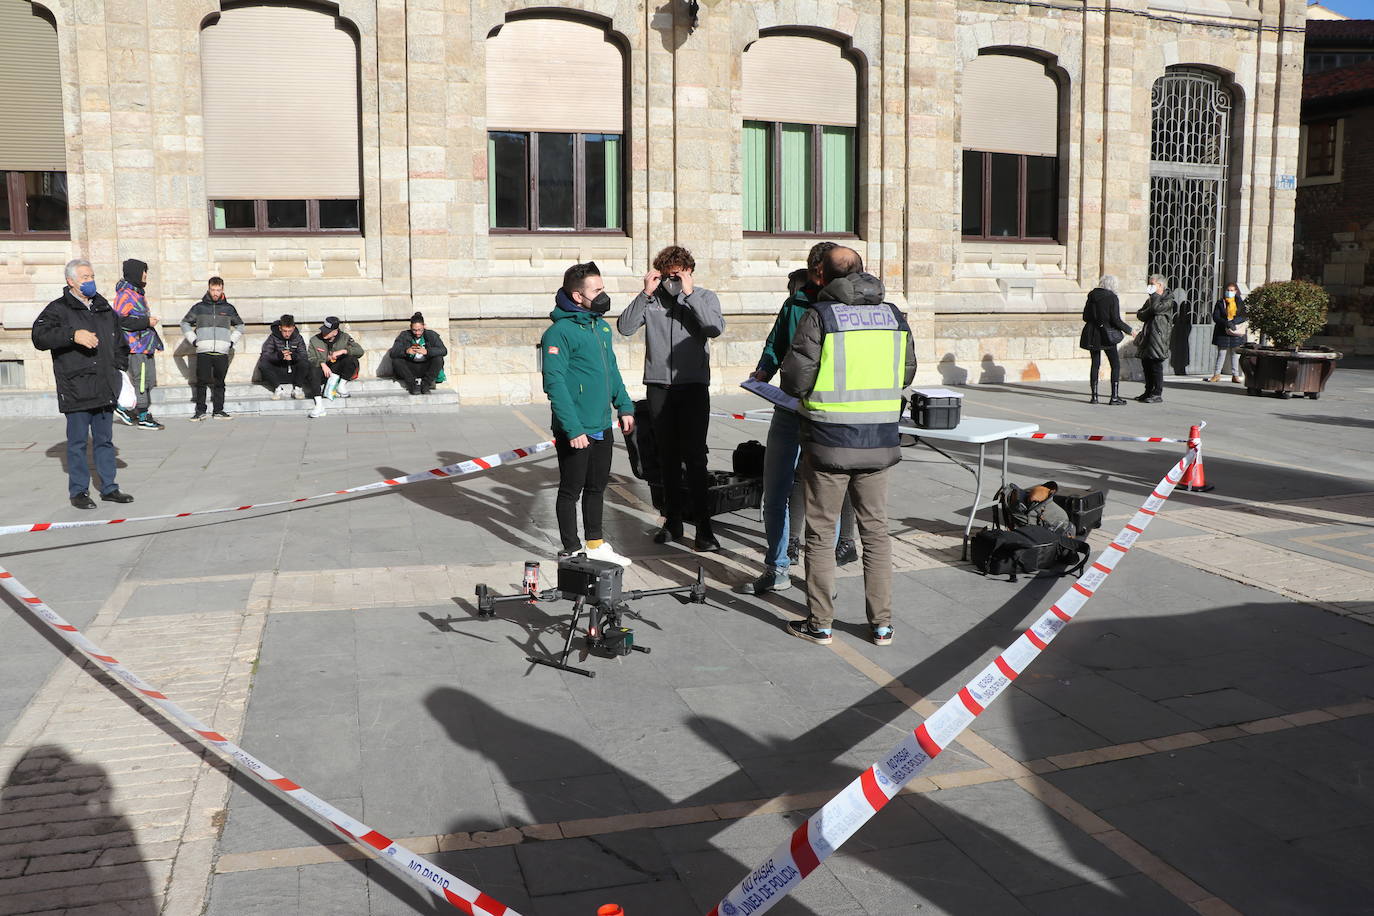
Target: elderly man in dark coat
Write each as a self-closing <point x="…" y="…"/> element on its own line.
<point x="90" y="354"/>
<point x="1156" y="339"/>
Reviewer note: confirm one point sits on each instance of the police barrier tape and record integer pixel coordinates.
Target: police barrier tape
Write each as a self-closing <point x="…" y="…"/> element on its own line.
<point x="458" y="469"/>
<point x="822" y="833"/>
<point x="765" y="416"/>
<point x="442" y="884"/>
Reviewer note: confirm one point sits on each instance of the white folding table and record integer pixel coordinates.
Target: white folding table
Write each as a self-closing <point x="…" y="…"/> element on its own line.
<point x="979" y="431"/>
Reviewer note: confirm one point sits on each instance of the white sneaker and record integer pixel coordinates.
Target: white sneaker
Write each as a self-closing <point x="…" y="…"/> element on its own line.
<point x="296" y="394"/>
<point x="607" y="553"/>
<point x="342" y="389"/>
<point x="280" y="392"/>
<point x="319" y="409"/>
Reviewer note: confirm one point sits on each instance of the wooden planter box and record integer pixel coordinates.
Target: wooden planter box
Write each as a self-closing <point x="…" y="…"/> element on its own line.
<point x="1287" y="372"/>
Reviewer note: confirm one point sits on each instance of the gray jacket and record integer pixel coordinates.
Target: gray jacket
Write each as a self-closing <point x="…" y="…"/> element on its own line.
<point x="214" y="327"/>
<point x="881" y="447"/>
<point x="676" y="351"/>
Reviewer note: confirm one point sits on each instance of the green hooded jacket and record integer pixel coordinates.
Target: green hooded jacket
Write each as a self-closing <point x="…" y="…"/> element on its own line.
<point x="581" y="376"/>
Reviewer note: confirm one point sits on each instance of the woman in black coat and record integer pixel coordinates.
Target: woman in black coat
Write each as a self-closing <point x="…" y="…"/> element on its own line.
<point x="1228" y="318"/>
<point x="1103" y="329"/>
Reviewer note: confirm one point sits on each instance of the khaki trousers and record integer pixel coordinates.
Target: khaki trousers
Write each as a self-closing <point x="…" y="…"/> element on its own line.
<point x="825" y="492"/>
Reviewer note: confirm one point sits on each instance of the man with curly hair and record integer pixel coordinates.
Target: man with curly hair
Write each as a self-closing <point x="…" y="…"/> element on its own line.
<point x="679" y="319"/>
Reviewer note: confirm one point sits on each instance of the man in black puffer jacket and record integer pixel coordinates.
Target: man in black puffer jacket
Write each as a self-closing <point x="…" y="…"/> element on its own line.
<point x="89" y="356"/>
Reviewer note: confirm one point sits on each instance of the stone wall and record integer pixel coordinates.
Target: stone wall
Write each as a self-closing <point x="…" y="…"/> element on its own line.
<point x="132" y="97"/>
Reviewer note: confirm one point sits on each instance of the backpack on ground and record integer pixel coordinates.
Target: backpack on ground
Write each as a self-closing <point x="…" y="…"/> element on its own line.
<point x="1030" y="549"/>
<point x="1034" y="506"/>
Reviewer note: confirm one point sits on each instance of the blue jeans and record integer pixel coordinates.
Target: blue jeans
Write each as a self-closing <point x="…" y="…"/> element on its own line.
<point x="779" y="475"/>
<point x="779" y="471"/>
<point x="99" y="426"/>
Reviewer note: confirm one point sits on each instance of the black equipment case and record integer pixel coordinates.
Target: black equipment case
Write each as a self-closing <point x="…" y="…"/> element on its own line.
<point x="935" y="408"/>
<point x="1083" y="507"/>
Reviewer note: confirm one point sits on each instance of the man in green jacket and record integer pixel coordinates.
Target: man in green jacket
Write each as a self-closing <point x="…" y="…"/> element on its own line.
<point x="583" y="383"/>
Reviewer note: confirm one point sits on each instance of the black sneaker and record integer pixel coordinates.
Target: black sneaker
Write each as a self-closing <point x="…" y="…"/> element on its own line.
<point x="198" y="416"/>
<point x="802" y="629"/>
<point x="124" y="416"/>
<point x="845" y="551"/>
<point x="116" y="496"/>
<point x="146" y="421"/>
<point x="83" y="501"/>
<point x="706" y="542"/>
<point x="671" y="531"/>
<point x="772" y="580"/>
<point x="221" y="415"/>
<point x="794" y="550"/>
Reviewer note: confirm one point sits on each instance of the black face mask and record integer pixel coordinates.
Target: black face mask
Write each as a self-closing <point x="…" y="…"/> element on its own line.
<point x="600" y="305"/>
<point x="672" y="285"/>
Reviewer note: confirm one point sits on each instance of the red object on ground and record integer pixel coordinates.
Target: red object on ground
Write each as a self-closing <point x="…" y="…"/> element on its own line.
<point x="610" y="909"/>
<point x="1194" y="478"/>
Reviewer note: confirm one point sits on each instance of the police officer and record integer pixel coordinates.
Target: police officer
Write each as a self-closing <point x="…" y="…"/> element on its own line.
<point x="850" y="359"/>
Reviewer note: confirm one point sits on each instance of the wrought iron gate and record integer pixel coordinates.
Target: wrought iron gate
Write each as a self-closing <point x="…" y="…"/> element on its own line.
<point x="1189" y="158"/>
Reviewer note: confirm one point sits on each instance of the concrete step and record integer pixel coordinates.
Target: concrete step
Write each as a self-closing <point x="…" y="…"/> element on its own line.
<point x="366" y="397"/>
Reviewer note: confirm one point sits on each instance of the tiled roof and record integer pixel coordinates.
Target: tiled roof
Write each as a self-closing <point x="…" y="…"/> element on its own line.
<point x="1357" y="78"/>
<point x="1325" y="31"/>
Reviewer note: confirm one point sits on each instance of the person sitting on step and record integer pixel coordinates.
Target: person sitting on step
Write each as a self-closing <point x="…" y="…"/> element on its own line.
<point x="417" y="357"/>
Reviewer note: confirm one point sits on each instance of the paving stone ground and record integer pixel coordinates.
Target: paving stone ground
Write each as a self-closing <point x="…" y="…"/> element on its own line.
<point x="1201" y="739"/>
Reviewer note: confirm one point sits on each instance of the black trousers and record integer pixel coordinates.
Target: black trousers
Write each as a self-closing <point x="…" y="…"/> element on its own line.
<point x="1113" y="362"/>
<point x="280" y="372"/>
<point x="211" y="368"/>
<point x="681" y="417"/>
<point x="408" y="371"/>
<point x="1154" y="376"/>
<point x="582" y="473"/>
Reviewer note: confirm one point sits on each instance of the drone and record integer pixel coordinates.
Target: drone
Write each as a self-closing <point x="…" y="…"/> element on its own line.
<point x="595" y="587"/>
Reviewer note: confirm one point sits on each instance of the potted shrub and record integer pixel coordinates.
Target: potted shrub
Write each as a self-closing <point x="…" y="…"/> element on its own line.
<point x="1285" y="314"/>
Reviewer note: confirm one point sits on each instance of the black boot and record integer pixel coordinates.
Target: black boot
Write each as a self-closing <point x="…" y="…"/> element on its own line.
<point x="1117" y="400"/>
<point x="1092" y="388"/>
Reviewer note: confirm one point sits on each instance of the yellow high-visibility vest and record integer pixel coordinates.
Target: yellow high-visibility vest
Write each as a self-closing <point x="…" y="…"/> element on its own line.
<point x="862" y="366"/>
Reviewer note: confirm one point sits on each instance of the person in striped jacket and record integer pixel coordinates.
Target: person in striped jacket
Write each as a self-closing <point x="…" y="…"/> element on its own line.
<point x="140" y="328"/>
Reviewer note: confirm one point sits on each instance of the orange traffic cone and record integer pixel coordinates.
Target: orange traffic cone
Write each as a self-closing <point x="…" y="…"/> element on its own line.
<point x="1195" y="478"/>
<point x="610" y="909"/>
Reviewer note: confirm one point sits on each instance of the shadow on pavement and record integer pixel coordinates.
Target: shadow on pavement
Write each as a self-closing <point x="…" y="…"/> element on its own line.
<point x="59" y="816"/>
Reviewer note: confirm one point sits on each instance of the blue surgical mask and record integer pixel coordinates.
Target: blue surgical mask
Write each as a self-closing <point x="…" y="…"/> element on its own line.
<point x="88" y="289"/>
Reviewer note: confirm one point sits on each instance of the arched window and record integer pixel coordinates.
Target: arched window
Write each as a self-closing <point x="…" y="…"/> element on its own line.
<point x="801" y="116"/>
<point x="1010" y="130"/>
<point x="280" y="105"/>
<point x="556" y="127"/>
<point x="33" y="147"/>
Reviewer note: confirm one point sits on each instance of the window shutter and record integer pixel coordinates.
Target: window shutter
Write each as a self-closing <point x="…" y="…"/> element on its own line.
<point x="280" y="91"/>
<point x="554" y="75"/>
<point x="31" y="134"/>
<point x="799" y="80"/>
<point x="1010" y="105"/>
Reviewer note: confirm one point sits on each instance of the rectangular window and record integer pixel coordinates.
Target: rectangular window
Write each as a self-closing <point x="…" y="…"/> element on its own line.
<point x="555" y="182"/>
<point x="1010" y="196"/>
<point x="799" y="179"/>
<point x="601" y="153"/>
<point x="34" y="204"/>
<point x="507" y="180"/>
<point x="286" y="217"/>
<point x="973" y="193"/>
<point x="758" y="175"/>
<point x="1321" y="149"/>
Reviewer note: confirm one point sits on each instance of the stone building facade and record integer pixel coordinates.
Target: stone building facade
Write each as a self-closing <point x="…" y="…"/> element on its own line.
<point x="983" y="309"/>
